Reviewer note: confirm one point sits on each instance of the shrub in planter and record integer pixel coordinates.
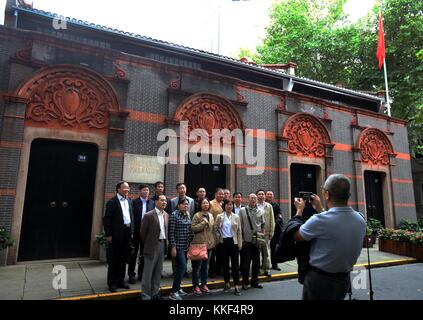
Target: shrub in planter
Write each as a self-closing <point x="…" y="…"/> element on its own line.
<point x="102" y="241"/>
<point x="5" y="240"/>
<point x="399" y="242"/>
<point x="410" y="225"/>
<point x="417" y="245"/>
<point x="373" y="228"/>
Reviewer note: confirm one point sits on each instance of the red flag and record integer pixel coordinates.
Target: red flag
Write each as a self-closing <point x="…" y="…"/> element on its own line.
<point x="380" y="54"/>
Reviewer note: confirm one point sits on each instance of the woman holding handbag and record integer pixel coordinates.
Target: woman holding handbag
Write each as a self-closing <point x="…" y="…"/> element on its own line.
<point x="228" y="232"/>
<point x="202" y="227"/>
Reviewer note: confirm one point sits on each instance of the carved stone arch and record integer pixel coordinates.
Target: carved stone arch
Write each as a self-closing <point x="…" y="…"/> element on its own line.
<point x="375" y="147"/>
<point x="306" y="135"/>
<point x="68" y="97"/>
<point x="208" y="111"/>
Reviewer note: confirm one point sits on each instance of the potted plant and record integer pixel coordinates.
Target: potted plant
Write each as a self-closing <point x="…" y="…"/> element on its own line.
<point x="5" y="240"/>
<point x="373" y="228"/>
<point x="102" y="241"/>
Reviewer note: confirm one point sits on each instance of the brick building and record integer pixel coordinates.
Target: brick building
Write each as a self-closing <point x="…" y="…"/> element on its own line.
<point x="82" y="106"/>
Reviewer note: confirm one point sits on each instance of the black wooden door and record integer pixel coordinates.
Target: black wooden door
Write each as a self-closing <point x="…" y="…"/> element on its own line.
<point x="209" y="176"/>
<point x="59" y="200"/>
<point x="303" y="178"/>
<point x="374" y="196"/>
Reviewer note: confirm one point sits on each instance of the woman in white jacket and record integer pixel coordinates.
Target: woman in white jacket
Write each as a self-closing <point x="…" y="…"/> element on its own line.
<point x="228" y="232"/>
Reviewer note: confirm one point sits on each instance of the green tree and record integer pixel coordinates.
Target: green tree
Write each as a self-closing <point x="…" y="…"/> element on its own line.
<point x="327" y="46"/>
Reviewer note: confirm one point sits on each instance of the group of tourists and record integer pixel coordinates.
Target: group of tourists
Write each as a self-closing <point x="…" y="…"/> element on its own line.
<point x="221" y="237"/>
<point x="226" y="237"/>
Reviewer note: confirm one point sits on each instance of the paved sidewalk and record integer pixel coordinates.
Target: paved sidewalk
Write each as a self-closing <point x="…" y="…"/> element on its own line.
<point x="88" y="278"/>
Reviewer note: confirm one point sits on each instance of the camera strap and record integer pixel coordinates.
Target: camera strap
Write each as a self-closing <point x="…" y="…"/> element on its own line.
<point x="249" y="219"/>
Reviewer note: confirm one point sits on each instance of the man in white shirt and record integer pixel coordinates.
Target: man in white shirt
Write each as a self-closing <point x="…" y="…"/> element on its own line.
<point x="118" y="226"/>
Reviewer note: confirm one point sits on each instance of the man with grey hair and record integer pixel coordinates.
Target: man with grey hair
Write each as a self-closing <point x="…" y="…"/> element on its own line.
<point x="252" y="221"/>
<point x="336" y="237"/>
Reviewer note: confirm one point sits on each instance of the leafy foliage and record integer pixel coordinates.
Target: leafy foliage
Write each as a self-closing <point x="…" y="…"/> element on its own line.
<point x="5" y="240"/>
<point x="329" y="47"/>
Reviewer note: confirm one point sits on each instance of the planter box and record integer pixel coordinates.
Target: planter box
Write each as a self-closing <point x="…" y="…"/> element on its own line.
<point x="395" y="247"/>
<point x="417" y="252"/>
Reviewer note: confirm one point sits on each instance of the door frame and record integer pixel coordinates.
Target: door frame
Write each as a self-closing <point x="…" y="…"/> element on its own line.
<point x="319" y="163"/>
<point x="386" y="192"/>
<point x="32" y="133"/>
<point x="226" y="151"/>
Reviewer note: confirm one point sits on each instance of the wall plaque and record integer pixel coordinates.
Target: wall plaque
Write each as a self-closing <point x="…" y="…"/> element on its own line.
<point x="142" y="169"/>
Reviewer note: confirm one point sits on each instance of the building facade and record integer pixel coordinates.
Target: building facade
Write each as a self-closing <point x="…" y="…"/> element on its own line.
<point x="83" y="106"/>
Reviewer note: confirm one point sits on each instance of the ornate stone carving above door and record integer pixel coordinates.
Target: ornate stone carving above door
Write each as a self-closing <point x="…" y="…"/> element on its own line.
<point x="375" y="147"/>
<point x="69" y="97"/>
<point x="208" y="112"/>
<point x="306" y="135"/>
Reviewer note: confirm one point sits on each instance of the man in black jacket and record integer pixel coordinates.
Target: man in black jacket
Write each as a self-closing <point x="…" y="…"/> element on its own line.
<point x="278" y="228"/>
<point x="159" y="189"/>
<point x="141" y="206"/>
<point x="118" y="224"/>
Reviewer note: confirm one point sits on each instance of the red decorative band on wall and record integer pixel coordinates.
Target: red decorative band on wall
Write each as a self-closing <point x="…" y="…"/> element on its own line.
<point x="403" y="156"/>
<point x="115" y="154"/>
<point x="404" y="204"/>
<point x="402" y="181"/>
<point x="10" y="144"/>
<point x="146" y="117"/>
<point x="343" y="147"/>
<point x="356" y="203"/>
<point x="8" y="192"/>
<point x="267" y="135"/>
<point x="243" y="166"/>
<point x="352" y="177"/>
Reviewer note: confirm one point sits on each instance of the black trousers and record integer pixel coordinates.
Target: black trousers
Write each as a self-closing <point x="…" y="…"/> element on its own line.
<point x="273" y="243"/>
<point x="319" y="286"/>
<point x="250" y="253"/>
<point x="132" y="261"/>
<point x="118" y="252"/>
<point x="230" y="251"/>
<point x="216" y="260"/>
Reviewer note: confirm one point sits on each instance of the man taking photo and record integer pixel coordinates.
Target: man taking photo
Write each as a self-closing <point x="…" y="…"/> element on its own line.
<point x="336" y="237"/>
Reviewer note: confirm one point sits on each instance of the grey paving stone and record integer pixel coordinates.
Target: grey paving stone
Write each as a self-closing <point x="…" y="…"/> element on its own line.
<point x="34" y="281"/>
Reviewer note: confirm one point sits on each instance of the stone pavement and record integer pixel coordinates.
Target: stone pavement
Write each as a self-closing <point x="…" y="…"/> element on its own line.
<point x="88" y="278"/>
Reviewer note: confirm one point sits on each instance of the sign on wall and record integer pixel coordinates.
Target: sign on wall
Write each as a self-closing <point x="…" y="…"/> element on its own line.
<point x="142" y="169"/>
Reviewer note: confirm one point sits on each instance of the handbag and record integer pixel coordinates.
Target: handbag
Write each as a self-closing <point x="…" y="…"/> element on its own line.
<point x="197" y="252"/>
<point x="258" y="238"/>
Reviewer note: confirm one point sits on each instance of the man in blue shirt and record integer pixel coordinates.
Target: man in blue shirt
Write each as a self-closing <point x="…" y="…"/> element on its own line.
<point x="336" y="239"/>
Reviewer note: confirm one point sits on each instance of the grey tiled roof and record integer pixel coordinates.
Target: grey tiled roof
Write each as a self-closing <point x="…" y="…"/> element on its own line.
<point x="204" y="54"/>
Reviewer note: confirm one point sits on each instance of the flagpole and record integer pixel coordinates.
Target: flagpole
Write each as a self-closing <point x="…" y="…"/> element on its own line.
<point x="388" y="102"/>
